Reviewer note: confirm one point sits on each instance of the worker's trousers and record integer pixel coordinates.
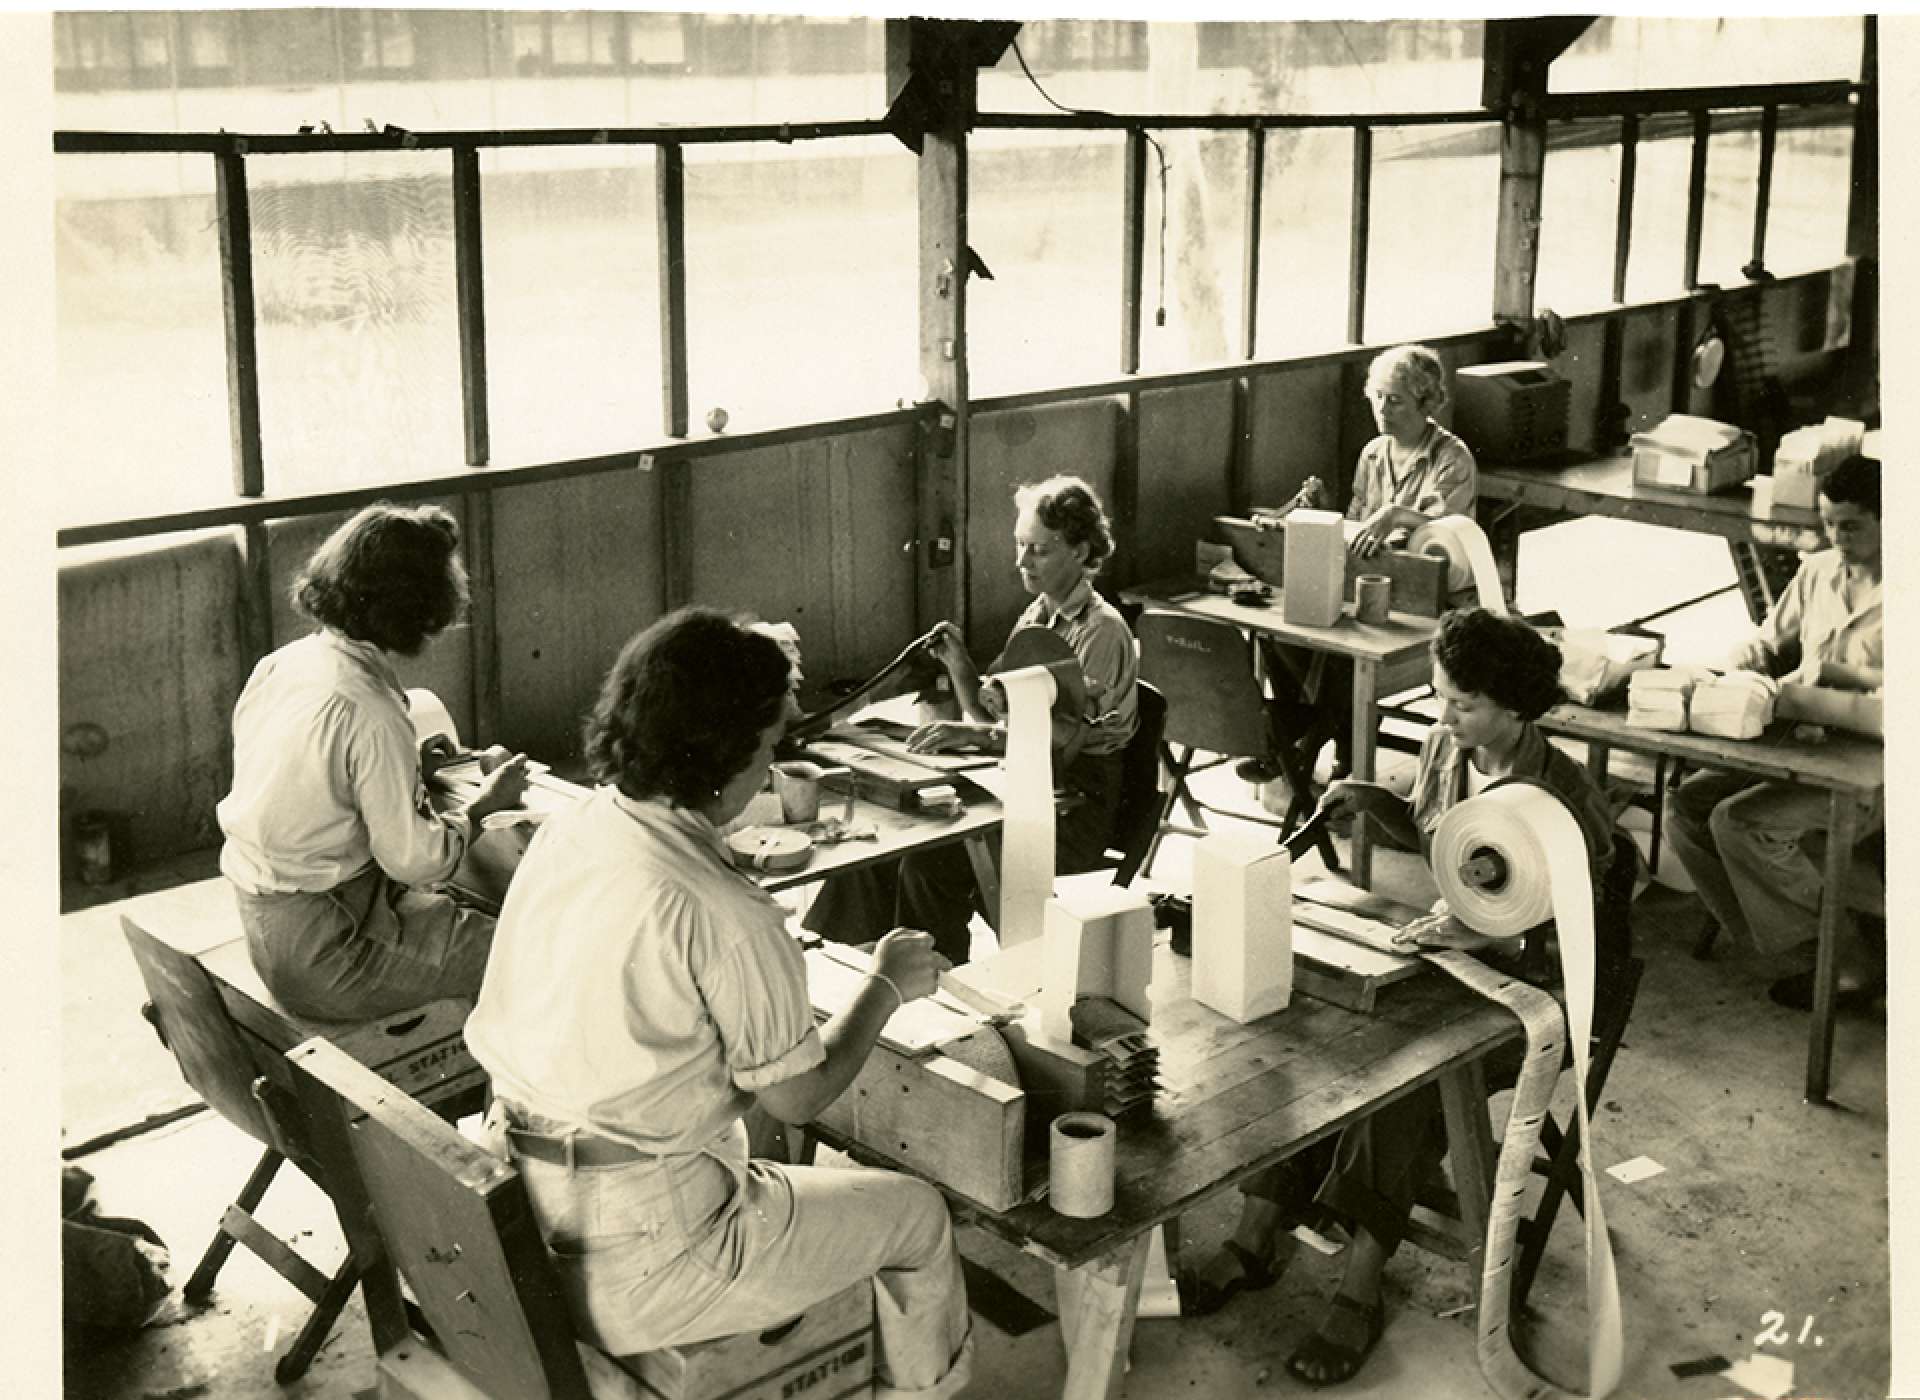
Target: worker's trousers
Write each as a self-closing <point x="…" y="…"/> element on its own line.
<point x="670" y="1250"/>
<point x="1739" y="840"/>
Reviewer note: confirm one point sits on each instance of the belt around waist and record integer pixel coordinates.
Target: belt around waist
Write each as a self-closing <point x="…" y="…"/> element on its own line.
<point x="574" y="1149"/>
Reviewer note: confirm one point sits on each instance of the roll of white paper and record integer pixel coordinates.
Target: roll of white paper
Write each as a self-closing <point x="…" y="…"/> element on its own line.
<point x="1505" y="861"/>
<point x="1080" y="1165"/>
<point x="1463" y="544"/>
<point x="1026" y="830"/>
<point x="430" y="716"/>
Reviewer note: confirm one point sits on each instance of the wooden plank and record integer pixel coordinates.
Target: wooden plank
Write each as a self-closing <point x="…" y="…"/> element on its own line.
<point x="1250" y="244"/>
<point x="1623" y="206"/>
<point x="1123" y="505"/>
<point x="828" y="1349"/>
<point x="483" y="616"/>
<point x="470" y="302"/>
<point x="1357" y="245"/>
<point x="670" y="216"/>
<point x="1523" y="160"/>
<point x="1186" y="453"/>
<point x="1133" y="242"/>
<point x="235" y="222"/>
<point x="256" y="593"/>
<point x="1763" y="191"/>
<point x="1696" y="207"/>
<point x="940" y="1119"/>
<point x="1419" y="580"/>
<point x="270" y="1247"/>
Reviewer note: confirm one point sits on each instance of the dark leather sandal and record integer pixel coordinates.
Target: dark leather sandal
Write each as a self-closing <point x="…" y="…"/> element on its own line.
<point x="1199" y="1298"/>
<point x="1334" y="1363"/>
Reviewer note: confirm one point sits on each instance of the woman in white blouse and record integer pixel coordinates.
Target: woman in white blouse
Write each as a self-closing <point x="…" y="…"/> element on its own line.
<point x="644" y="994"/>
<point x="331" y="845"/>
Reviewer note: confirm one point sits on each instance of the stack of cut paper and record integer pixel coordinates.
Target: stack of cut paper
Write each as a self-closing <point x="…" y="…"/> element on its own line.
<point x="1657" y="698"/>
<point x="1805" y="455"/>
<point x="1738" y="705"/>
<point x="1133" y="1060"/>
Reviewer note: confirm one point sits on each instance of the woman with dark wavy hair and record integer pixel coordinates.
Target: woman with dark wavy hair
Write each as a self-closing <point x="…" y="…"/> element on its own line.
<point x="1495" y="677"/>
<point x="330" y="841"/>
<point x="644" y="995"/>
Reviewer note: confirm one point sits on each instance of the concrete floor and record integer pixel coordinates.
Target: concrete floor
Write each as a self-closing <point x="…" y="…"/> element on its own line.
<point x="1765" y="1206"/>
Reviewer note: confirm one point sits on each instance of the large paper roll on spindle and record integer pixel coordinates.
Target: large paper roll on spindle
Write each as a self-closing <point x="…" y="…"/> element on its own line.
<point x="1506" y="860"/>
<point x="1463" y="544"/>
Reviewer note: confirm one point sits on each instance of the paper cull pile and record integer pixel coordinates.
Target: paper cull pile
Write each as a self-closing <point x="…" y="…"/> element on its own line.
<point x="1805" y="455"/>
<point x="1595" y="664"/>
<point x="1738" y="705"/>
<point x="1657" y="698"/>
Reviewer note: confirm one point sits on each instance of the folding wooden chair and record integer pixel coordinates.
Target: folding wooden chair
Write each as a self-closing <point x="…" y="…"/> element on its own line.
<point x="1214" y="706"/>
<point x="1137" y="818"/>
<point x="423" y="1203"/>
<point x="237" y="1066"/>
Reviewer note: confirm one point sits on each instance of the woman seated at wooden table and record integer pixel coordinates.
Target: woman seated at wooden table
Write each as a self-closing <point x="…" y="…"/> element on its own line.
<point x="331" y="844"/>
<point x="644" y="994"/>
<point x="1413" y="471"/>
<point x="1495" y="676"/>
<point x="1061" y="539"/>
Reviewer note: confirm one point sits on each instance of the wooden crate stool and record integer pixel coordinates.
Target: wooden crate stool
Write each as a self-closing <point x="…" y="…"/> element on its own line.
<point x="229" y="1037"/>
<point x="454" y="1221"/>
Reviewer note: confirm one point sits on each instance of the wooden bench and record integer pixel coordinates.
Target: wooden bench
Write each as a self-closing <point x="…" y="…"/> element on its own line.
<point x="229" y="1036"/>
<point x="421" y="1202"/>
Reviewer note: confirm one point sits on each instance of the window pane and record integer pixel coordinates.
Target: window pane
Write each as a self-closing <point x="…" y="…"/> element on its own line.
<point x="1812" y="179"/>
<point x="139" y="346"/>
<point x="1622" y="51"/>
<point x="573" y="331"/>
<point x="801" y="274"/>
<point x="1292" y="66"/>
<point x="1203" y="270"/>
<point x="658" y="40"/>
<point x="1656" y="263"/>
<point x="1579" y="198"/>
<point x="150" y="41"/>
<point x="1046" y="211"/>
<point x="529" y="42"/>
<point x="353" y="285"/>
<point x="1430" y="242"/>
<point x="209" y="40"/>
<point x="570" y="39"/>
<point x="1305" y="222"/>
<point x="1733" y="182"/>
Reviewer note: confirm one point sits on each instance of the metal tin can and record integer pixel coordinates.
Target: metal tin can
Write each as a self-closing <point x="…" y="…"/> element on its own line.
<point x="93" y="848"/>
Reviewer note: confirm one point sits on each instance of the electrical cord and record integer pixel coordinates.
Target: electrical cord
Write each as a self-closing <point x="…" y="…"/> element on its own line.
<point x="1160" y="292"/>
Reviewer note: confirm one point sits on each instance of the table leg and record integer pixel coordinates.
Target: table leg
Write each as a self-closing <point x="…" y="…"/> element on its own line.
<point x="1597" y="763"/>
<point x="1842" y="831"/>
<point x="1463" y="1097"/>
<point x="1098" y="1302"/>
<point x="986" y="876"/>
<point x="1366" y="724"/>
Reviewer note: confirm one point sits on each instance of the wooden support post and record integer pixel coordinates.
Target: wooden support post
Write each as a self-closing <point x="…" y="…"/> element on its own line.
<point x="1133" y="245"/>
<point x="1697" y="197"/>
<point x="470" y="300"/>
<point x="1515" y="84"/>
<point x="1623" y="210"/>
<point x="1250" y="266"/>
<point x="1126" y="493"/>
<point x="1240" y="460"/>
<point x="256" y="594"/>
<point x="1357" y="248"/>
<point x="483" y="650"/>
<point x="1863" y="227"/>
<point x="670" y="214"/>
<point x="1463" y="1101"/>
<point x="1763" y="194"/>
<point x="935" y="54"/>
<point x="235" y="223"/>
<point x="676" y="529"/>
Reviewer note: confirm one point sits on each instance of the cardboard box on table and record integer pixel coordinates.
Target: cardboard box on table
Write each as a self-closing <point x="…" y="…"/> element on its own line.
<point x="1242" y="926"/>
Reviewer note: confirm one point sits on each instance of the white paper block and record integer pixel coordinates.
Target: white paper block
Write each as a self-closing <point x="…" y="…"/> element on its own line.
<point x="1242" y="926"/>
<point x="1099" y="942"/>
<point x="1315" y="572"/>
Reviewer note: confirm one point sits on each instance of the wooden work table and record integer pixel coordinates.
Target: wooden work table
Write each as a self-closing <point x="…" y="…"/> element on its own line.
<point x="1387" y="657"/>
<point x="1850" y="768"/>
<point x="1605" y="486"/>
<point x="1235" y="1099"/>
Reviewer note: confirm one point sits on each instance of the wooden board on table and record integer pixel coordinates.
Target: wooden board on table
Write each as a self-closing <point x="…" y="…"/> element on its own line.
<point x="834" y="978"/>
<point x="889" y="737"/>
<point x="877" y="777"/>
<point x="1419" y="580"/>
<point x="1345" y="973"/>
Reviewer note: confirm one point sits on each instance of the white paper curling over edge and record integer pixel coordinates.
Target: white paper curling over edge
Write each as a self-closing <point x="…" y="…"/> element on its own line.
<point x="1548" y="876"/>
<point x="1463" y="544"/>
<point x="1026" y="830"/>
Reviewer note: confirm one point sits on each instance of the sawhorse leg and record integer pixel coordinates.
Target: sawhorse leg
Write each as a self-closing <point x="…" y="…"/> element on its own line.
<point x="1098" y="1303"/>
<point x="1366" y="722"/>
<point x="1843" y="829"/>
<point x="1463" y="1098"/>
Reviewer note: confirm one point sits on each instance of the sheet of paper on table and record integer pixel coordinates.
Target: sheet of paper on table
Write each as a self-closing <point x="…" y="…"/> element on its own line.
<point x="834" y="978"/>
